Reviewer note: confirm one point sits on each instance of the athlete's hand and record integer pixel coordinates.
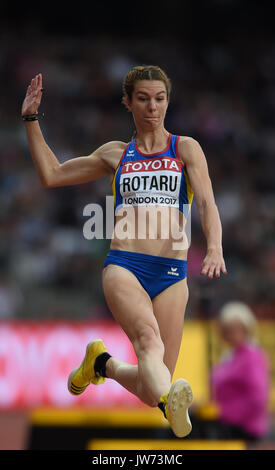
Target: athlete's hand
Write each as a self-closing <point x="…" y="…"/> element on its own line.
<point x="213" y="264"/>
<point x="33" y="96"/>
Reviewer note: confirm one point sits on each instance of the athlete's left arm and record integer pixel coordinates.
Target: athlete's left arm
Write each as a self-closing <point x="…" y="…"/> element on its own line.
<point x="196" y="167"/>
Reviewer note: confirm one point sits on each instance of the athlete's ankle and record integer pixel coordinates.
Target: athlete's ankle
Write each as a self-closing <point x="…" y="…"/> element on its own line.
<point x="100" y="364"/>
<point x="111" y="368"/>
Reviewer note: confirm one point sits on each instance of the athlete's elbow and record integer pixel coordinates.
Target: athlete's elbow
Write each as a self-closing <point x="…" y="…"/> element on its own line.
<point x="46" y="184"/>
<point x="46" y="181"/>
<point x="52" y="184"/>
<point x="50" y="179"/>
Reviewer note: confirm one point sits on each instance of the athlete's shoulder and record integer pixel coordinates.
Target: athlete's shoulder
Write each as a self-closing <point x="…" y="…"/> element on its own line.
<point x="111" y="152"/>
<point x="113" y="145"/>
<point x="187" y="142"/>
<point x="188" y="148"/>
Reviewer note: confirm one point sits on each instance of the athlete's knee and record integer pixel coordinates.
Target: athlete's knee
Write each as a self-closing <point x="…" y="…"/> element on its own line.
<point x="147" y="339"/>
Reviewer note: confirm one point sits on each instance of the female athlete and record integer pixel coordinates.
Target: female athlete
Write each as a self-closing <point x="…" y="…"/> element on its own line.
<point x="144" y="277"/>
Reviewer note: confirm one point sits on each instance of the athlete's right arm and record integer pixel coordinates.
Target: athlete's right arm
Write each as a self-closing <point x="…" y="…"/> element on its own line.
<point x="51" y="172"/>
<point x="77" y="170"/>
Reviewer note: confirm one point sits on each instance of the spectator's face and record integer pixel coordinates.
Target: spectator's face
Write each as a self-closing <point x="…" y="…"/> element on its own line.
<point x="234" y="333"/>
<point x="149" y="104"/>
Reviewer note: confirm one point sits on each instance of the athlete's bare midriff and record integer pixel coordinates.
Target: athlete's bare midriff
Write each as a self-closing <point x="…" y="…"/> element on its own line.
<point x="153" y="230"/>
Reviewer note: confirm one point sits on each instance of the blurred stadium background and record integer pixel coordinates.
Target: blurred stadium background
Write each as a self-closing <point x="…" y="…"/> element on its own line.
<point x="220" y="55"/>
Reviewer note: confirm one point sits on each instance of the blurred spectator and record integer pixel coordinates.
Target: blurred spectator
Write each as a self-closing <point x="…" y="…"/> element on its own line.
<point x="240" y="382"/>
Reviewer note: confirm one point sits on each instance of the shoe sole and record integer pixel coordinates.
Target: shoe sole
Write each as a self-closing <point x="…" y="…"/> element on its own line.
<point x="179" y="399"/>
<point x="70" y="378"/>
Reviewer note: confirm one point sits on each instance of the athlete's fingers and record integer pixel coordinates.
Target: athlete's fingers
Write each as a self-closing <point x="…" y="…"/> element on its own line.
<point x="217" y="271"/>
<point x="223" y="269"/>
<point x="34" y="83"/>
<point x="210" y="268"/>
<point x="40" y="85"/>
<point x="213" y="268"/>
<point x="211" y="271"/>
<point x="204" y="269"/>
<point x="206" y="264"/>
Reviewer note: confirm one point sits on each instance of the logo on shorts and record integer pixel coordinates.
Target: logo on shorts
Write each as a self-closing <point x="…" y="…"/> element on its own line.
<point x="173" y="271"/>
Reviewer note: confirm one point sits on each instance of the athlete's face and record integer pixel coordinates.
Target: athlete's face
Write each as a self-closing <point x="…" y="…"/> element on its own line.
<point x="149" y="104"/>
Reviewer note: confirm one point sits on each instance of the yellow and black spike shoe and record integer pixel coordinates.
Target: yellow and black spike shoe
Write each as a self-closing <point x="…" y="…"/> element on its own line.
<point x="82" y="376"/>
<point x="176" y="403"/>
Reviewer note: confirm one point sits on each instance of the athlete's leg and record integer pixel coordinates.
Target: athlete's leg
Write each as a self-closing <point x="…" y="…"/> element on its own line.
<point x="169" y="309"/>
<point x="126" y="375"/>
<point x="132" y="309"/>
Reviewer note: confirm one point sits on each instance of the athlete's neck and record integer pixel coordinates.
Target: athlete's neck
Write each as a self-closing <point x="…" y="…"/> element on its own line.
<point x="152" y="141"/>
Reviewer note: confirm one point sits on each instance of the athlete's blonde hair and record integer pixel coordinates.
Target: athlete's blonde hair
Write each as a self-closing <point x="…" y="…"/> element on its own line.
<point x="144" y="72"/>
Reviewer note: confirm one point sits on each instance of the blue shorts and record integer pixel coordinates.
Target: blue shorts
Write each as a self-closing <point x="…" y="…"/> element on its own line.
<point x="153" y="272"/>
